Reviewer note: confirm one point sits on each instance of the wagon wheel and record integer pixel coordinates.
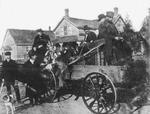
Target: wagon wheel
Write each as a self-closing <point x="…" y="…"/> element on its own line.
<point x="98" y="93"/>
<point x="63" y="94"/>
<point x="115" y="108"/>
<point x="51" y="87"/>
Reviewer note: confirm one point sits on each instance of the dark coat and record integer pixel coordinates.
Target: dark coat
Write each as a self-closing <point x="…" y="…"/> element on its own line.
<point x="91" y="36"/>
<point x="9" y="70"/>
<point x="30" y="71"/>
<point x="41" y="40"/>
<point x="107" y="27"/>
<point x="108" y="31"/>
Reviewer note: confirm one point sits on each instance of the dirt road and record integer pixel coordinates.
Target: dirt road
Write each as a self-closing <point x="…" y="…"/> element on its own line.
<point x="64" y="107"/>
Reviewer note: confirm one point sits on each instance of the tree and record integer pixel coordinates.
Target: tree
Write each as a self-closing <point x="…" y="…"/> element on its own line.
<point x="145" y="33"/>
<point x="128" y="30"/>
<point x="132" y="38"/>
<point x="145" y="28"/>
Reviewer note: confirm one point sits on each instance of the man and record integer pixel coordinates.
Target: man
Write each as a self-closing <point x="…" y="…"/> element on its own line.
<point x="57" y="49"/>
<point x="108" y="31"/>
<point x="62" y="70"/>
<point x="35" y="85"/>
<point x="90" y="36"/>
<point x="9" y="74"/>
<point x="40" y="44"/>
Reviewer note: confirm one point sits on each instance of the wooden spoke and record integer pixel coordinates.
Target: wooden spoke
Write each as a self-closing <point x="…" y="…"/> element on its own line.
<point x="92" y="82"/>
<point x="51" y="87"/>
<point x="98" y="106"/>
<point x="101" y="109"/>
<point x="97" y="78"/>
<point x="92" y="103"/>
<point x="88" y="98"/>
<point x="104" y="107"/>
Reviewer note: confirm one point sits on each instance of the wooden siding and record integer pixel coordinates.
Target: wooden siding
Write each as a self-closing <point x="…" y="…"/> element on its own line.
<point x="22" y="53"/>
<point x="66" y="28"/>
<point x="9" y="41"/>
<point x="114" y="72"/>
<point x="120" y="25"/>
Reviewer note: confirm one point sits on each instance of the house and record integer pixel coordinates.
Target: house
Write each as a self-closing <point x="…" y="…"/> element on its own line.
<point x="69" y="26"/>
<point x="19" y="42"/>
<point x="72" y="28"/>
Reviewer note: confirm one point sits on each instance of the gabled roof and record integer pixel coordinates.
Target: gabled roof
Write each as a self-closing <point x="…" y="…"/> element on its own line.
<point x="26" y="37"/>
<point x="80" y="23"/>
<point x="115" y="19"/>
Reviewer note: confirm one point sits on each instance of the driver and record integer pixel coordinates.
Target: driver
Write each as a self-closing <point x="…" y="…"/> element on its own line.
<point x="40" y="44"/>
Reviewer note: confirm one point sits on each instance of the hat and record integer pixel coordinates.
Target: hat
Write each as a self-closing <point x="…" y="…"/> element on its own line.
<point x="65" y="44"/>
<point x="39" y="30"/>
<point x="31" y="53"/>
<point x="57" y="45"/>
<point x="101" y="16"/>
<point x="8" y="53"/>
<point x="85" y="27"/>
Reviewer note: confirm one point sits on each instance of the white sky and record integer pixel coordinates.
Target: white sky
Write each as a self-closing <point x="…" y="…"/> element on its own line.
<point x="34" y="14"/>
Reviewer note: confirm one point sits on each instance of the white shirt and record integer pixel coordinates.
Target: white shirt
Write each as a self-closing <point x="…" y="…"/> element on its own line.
<point x="32" y="61"/>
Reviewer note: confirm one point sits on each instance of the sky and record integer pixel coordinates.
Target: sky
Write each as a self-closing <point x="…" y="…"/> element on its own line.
<point x="34" y="14"/>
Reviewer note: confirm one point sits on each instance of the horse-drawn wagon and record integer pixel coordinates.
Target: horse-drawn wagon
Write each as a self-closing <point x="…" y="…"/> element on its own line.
<point x="91" y="77"/>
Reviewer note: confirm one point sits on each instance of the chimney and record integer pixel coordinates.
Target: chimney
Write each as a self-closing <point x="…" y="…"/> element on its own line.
<point x="115" y="11"/>
<point x="149" y="11"/>
<point x="110" y="14"/>
<point x="67" y="12"/>
<point x="49" y="28"/>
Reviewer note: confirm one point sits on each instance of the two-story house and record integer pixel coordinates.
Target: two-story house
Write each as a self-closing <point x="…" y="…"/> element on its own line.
<point x="72" y="28"/>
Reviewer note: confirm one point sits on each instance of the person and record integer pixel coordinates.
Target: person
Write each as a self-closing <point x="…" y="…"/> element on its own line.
<point x="68" y="52"/>
<point x="62" y="71"/>
<point x="90" y="36"/>
<point x="74" y="47"/>
<point x="108" y="31"/>
<point x="9" y="74"/>
<point x="40" y="44"/>
<point x="57" y="50"/>
<point x="34" y="84"/>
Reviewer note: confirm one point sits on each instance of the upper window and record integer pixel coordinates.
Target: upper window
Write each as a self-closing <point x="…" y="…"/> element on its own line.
<point x="65" y="30"/>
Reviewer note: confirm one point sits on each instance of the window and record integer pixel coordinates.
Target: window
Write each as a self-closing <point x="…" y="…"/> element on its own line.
<point x="69" y="31"/>
<point x="65" y="30"/>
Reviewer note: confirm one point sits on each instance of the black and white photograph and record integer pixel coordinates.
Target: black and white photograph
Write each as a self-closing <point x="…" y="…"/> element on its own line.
<point x="74" y="56"/>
